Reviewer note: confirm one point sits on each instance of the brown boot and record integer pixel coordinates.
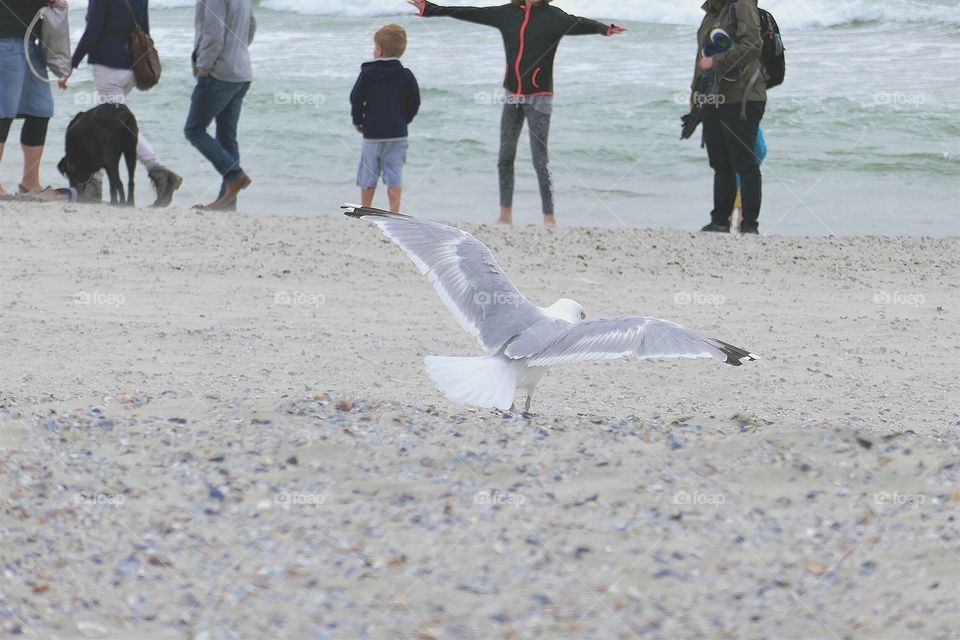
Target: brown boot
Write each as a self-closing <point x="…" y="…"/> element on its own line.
<point x="230" y="194"/>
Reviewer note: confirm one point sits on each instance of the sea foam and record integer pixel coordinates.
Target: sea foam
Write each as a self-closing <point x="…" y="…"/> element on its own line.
<point x="789" y="13"/>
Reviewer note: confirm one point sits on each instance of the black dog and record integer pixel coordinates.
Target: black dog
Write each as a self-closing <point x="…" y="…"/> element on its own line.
<point x="95" y="140"/>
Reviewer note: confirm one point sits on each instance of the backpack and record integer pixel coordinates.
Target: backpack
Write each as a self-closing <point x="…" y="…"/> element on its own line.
<point x="772" y="56"/>
<point x="54" y="35"/>
<point x="146" y="60"/>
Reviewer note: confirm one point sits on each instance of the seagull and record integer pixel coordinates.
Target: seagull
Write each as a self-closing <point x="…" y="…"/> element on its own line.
<point x="521" y="339"/>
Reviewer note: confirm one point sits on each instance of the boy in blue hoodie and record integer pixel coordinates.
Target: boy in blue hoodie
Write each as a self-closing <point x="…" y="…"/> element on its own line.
<point x="384" y="101"/>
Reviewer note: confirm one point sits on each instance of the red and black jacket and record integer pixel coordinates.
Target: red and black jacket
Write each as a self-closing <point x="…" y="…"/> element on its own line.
<point x="530" y="37"/>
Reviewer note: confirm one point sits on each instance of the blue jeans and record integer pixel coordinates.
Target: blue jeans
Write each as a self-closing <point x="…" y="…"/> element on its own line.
<point x="221" y="101"/>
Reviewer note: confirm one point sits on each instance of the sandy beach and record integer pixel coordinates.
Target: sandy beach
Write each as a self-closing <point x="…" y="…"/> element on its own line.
<point x="218" y="426"/>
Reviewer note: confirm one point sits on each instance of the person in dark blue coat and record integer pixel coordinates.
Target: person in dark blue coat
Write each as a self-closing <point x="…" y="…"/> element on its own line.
<point x="385" y="99"/>
<point x="104" y="42"/>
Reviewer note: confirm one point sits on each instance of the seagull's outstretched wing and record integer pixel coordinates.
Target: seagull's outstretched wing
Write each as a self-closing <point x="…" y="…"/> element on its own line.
<point x="464" y="273"/>
<point x="549" y="344"/>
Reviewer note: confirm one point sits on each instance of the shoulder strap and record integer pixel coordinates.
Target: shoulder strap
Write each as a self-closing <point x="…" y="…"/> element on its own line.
<point x="136" y="23"/>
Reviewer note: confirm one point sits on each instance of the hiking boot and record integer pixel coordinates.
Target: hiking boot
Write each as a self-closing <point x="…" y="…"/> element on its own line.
<point x="90" y="192"/>
<point x="714" y="227"/>
<point x="166" y="182"/>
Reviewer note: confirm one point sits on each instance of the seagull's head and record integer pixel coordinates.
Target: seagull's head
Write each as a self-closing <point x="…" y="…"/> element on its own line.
<point x="565" y="309"/>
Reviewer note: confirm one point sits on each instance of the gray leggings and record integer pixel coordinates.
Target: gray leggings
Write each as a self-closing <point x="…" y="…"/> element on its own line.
<point x="511" y="124"/>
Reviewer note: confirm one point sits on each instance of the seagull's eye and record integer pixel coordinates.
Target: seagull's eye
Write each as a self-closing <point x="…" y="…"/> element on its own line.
<point x="583" y="315"/>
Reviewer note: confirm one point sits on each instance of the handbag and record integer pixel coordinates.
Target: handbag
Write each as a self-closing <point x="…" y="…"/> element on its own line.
<point x="54" y="41"/>
<point x="146" y="60"/>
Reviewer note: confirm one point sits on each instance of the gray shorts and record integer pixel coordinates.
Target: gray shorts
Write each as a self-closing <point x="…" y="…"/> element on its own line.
<point x="382" y="158"/>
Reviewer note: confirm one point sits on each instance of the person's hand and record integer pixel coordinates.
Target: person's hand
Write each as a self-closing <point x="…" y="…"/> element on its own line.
<point x="615" y="29"/>
<point x="421" y="5"/>
<point x="360" y="128"/>
<point x="62" y="82"/>
<point x="706" y="64"/>
<point x="203" y="73"/>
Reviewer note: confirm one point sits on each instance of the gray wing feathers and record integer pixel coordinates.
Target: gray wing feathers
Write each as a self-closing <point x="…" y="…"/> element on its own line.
<point x="641" y="337"/>
<point x="465" y="275"/>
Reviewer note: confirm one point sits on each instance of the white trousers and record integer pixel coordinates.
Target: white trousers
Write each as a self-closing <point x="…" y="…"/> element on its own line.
<point x="113" y="86"/>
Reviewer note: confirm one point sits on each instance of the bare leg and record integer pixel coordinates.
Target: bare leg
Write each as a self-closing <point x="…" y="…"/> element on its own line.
<point x="31" y="167"/>
<point x="366" y="196"/>
<point x="506" y="215"/>
<point x="395" y="196"/>
<point x="736" y="216"/>
<point x="2" y="190"/>
<point x="549" y="220"/>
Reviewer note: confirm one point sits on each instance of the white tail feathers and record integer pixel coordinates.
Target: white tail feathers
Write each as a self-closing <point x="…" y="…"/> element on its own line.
<point x="488" y="381"/>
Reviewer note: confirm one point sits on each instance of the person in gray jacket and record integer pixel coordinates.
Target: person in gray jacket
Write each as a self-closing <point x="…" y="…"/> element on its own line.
<point x="221" y="64"/>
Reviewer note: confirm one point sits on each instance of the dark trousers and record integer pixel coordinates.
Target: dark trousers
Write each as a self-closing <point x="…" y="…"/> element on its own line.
<point x="215" y="100"/>
<point x="732" y="149"/>
<point x="33" y="134"/>
<point x="511" y="124"/>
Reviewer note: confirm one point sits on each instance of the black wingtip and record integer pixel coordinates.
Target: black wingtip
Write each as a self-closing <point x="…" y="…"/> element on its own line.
<point x="359" y="211"/>
<point x="735" y="355"/>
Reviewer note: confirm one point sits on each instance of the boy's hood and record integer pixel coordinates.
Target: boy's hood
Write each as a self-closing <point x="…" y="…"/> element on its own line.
<point x="715" y="5"/>
<point x="381" y="68"/>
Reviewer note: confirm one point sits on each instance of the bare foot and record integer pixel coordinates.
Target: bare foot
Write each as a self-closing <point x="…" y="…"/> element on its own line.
<point x="507" y="221"/>
<point x="549" y="220"/>
<point x="3" y="192"/>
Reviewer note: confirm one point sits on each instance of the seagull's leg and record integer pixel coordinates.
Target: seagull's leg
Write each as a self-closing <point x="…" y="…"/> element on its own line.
<point x="526" y="406"/>
<point x="531" y="388"/>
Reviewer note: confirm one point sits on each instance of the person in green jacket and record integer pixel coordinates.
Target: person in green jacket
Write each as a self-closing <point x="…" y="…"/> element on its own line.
<point x="730" y="89"/>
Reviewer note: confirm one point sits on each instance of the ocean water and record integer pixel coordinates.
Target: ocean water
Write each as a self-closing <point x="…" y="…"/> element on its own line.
<point x="864" y="136"/>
